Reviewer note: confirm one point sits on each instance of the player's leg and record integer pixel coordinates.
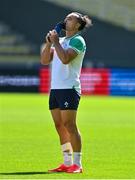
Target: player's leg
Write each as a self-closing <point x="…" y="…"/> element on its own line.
<point x="64" y="140"/>
<point x="69" y="119"/>
<point x="55" y="112"/>
<point x="61" y="130"/>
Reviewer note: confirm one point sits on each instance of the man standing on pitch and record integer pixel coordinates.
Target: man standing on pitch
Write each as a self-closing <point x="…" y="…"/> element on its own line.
<point x="66" y="55"/>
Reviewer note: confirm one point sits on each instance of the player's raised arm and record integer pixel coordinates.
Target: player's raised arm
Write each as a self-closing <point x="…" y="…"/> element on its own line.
<point x="47" y="52"/>
<point x="65" y="55"/>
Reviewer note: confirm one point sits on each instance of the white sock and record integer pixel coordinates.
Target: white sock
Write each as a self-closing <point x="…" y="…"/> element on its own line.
<point x="67" y="158"/>
<point x="77" y="158"/>
<point x="67" y="153"/>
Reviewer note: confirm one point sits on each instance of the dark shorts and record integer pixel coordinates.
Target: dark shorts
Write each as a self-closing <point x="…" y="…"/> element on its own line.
<point x="64" y="99"/>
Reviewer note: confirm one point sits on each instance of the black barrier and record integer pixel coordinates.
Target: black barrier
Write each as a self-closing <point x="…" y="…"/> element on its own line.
<point x="19" y="78"/>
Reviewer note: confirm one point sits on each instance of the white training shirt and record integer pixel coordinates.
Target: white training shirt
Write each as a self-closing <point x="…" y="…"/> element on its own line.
<point x="66" y="76"/>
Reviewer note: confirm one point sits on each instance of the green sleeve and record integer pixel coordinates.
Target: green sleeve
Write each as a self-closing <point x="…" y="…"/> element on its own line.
<point x="78" y="44"/>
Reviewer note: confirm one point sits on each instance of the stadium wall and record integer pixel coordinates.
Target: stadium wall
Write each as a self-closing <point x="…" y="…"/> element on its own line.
<point x="36" y="79"/>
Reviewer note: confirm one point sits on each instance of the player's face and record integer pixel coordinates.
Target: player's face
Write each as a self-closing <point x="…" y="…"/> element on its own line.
<point x="72" y="22"/>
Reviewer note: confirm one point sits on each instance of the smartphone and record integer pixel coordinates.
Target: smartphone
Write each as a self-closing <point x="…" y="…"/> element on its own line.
<point x="59" y="27"/>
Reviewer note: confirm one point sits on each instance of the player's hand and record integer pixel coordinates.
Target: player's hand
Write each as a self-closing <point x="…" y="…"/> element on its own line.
<point x="48" y="40"/>
<point x="53" y="36"/>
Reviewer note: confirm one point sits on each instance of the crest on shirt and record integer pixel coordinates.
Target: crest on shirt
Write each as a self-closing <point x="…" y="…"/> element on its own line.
<point x="66" y="104"/>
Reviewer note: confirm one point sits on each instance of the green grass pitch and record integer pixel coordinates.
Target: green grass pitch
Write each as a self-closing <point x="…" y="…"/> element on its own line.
<point x="29" y="144"/>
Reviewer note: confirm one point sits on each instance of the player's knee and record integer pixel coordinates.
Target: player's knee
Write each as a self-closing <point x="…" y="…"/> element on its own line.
<point x="58" y="125"/>
<point x="71" y="127"/>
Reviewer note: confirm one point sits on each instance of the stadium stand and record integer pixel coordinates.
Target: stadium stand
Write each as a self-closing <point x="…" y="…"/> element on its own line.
<point x="13" y="45"/>
<point x="108" y="45"/>
<point x="118" y="12"/>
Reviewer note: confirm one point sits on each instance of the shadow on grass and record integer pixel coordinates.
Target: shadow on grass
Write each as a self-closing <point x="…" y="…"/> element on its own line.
<point x="23" y="173"/>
